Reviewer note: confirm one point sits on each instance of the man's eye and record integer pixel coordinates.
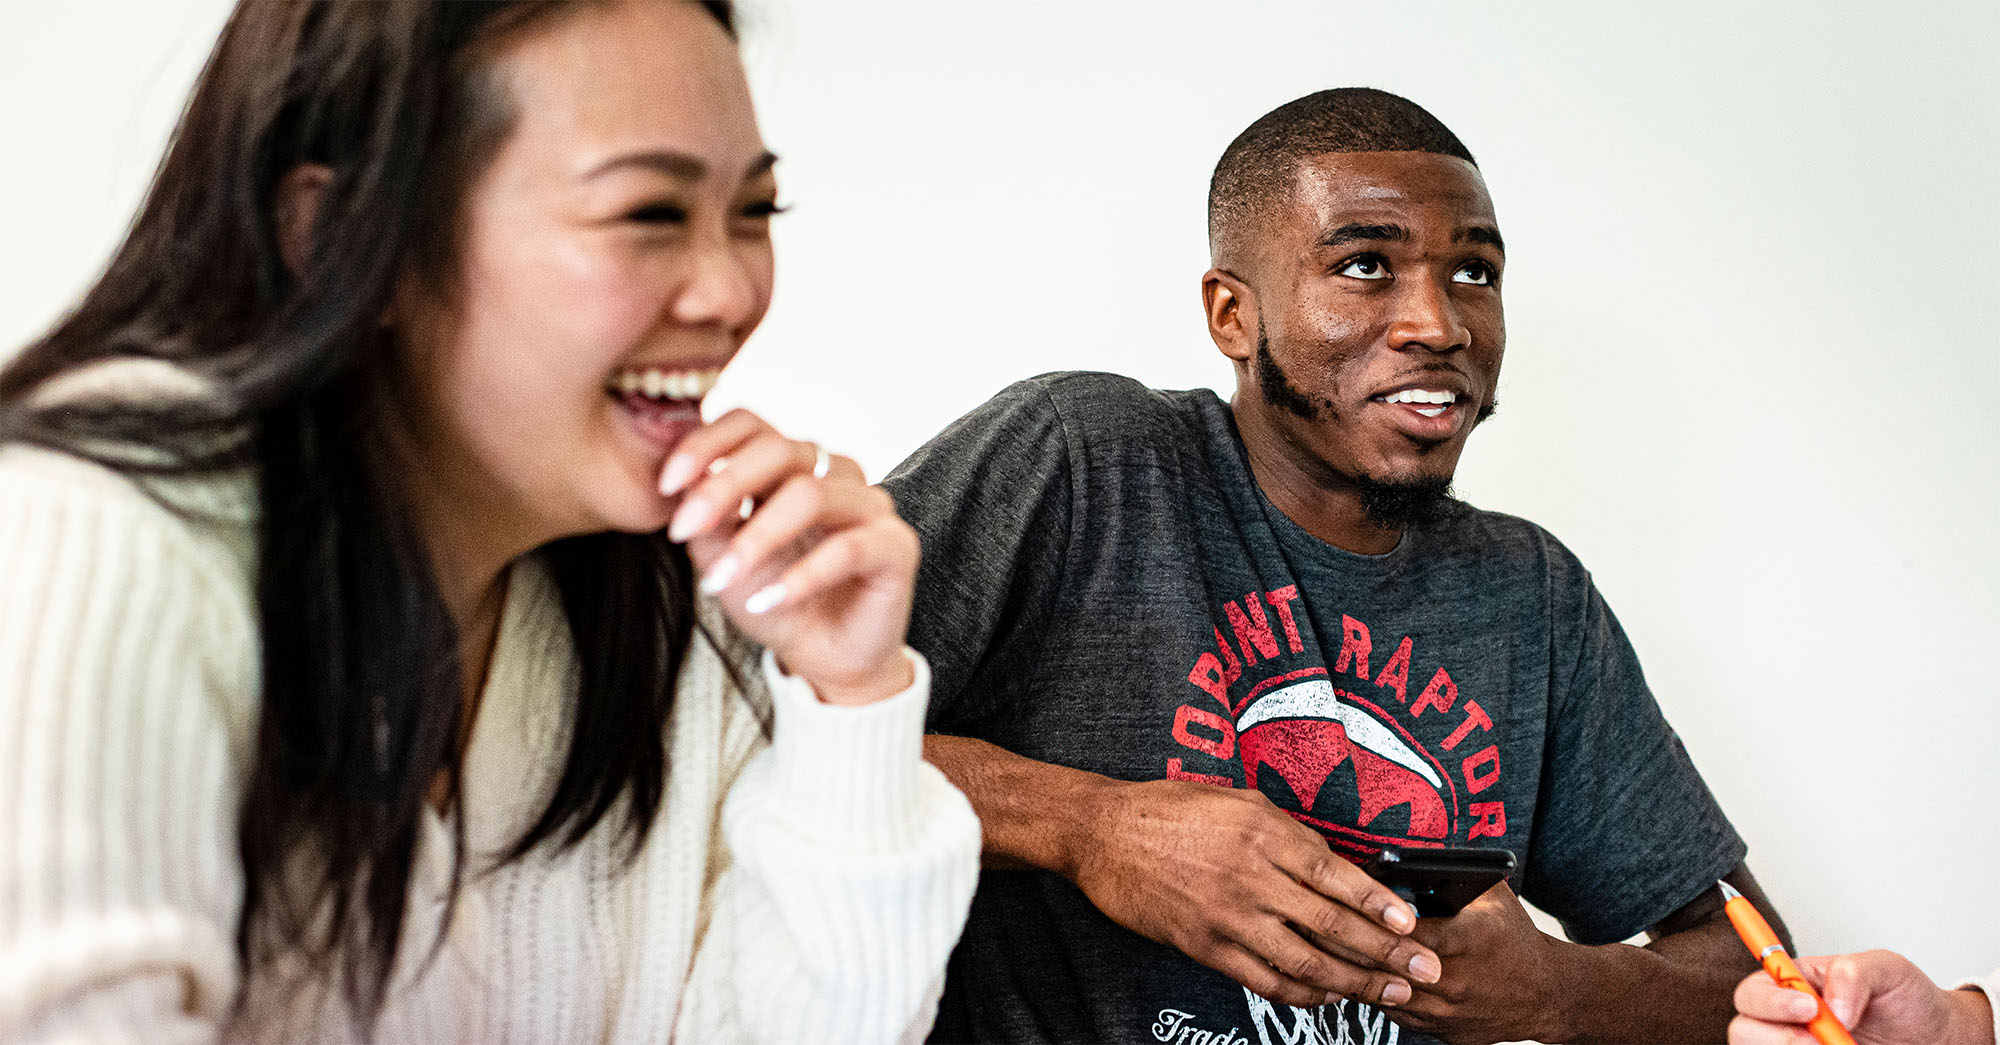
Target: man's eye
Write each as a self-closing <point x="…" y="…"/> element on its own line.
<point x="1366" y="266"/>
<point x="657" y="214"/>
<point x="1477" y="273"/>
<point x="764" y="209"/>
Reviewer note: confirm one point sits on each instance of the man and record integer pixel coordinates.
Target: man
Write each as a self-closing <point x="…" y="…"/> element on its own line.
<point x="1188" y="655"/>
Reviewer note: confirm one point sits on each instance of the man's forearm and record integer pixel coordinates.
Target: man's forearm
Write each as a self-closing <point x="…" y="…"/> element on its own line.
<point x="1675" y="989"/>
<point x="1031" y="814"/>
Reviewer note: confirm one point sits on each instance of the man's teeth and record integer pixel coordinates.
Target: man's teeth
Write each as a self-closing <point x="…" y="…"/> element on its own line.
<point x="1427" y="402"/>
<point x="1420" y="395"/>
<point x="654" y="383"/>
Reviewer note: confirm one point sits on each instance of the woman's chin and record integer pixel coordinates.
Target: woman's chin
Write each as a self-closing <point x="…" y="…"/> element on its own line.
<point x="619" y="494"/>
<point x="644" y="512"/>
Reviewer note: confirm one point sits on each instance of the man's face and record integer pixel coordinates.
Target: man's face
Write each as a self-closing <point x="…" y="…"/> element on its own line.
<point x="1378" y="321"/>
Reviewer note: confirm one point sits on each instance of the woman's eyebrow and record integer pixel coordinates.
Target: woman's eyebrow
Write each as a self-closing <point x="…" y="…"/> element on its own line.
<point x="679" y="165"/>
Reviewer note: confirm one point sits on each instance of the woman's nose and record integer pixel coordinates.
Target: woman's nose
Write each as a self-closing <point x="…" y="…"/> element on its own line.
<point x="720" y="287"/>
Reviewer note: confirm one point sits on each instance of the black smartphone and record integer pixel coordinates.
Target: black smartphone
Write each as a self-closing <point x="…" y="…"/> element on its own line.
<point x="1439" y="882"/>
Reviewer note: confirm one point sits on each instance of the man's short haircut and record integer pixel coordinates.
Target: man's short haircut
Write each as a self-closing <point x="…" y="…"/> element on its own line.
<point x="1258" y="166"/>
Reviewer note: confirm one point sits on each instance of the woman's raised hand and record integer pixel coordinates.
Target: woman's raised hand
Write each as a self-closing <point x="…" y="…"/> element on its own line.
<point x="820" y="572"/>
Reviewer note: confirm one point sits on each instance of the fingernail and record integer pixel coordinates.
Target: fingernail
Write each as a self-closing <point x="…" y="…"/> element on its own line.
<point x="720" y="574"/>
<point x="1426" y="968"/>
<point x="694" y="516"/>
<point x="1396" y="993"/>
<point x="1399" y="918"/>
<point x="1843" y="1009"/>
<point x="680" y="468"/>
<point x="765" y="599"/>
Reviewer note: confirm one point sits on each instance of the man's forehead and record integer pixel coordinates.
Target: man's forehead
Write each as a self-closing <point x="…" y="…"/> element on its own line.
<point x="1341" y="185"/>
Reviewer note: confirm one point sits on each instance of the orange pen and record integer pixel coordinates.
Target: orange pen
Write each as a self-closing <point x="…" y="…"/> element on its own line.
<point x="1764" y="945"/>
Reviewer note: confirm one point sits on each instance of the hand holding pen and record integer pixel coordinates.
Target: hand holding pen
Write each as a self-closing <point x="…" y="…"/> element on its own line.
<point x="1764" y="946"/>
<point x="1883" y="996"/>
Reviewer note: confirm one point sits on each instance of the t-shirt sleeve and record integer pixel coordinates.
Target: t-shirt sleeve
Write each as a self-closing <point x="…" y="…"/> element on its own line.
<point x="990" y="498"/>
<point x="1627" y="832"/>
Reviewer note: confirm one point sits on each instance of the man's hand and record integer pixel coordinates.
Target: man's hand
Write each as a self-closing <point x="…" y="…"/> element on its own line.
<point x="1880" y="996"/>
<point x="1506" y="980"/>
<point x="1233" y="882"/>
<point x="1500" y="973"/>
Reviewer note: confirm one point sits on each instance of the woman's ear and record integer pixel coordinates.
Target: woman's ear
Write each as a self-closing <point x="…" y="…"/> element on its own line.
<point x="295" y="209"/>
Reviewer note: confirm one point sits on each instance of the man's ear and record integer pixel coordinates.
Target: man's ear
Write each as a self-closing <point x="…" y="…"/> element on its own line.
<point x="1232" y="313"/>
<point x="295" y="209"/>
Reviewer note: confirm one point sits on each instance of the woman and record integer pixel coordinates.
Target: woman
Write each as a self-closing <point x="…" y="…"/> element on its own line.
<point x="351" y="686"/>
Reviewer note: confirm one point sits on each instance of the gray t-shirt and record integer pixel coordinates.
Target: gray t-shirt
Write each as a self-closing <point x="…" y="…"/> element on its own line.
<point x="1104" y="586"/>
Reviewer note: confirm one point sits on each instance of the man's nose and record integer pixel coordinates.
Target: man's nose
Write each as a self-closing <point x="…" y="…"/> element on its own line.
<point x="1427" y="318"/>
<point x="719" y="288"/>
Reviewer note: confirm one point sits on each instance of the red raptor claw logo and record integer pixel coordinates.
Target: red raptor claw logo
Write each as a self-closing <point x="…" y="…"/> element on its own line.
<point x="1309" y="733"/>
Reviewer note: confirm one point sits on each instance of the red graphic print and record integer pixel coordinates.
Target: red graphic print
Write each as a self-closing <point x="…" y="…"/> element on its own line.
<point x="1306" y="751"/>
<point x="1348" y="766"/>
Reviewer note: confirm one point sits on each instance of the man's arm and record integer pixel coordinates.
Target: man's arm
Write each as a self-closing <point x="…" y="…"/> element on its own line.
<point x="1219" y="873"/>
<point x="1679" y="985"/>
<point x="1508" y="980"/>
<point x="1624" y="826"/>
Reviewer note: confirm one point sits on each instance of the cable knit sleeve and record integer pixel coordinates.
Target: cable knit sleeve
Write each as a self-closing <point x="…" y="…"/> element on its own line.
<point x="851" y="867"/>
<point x="126" y="660"/>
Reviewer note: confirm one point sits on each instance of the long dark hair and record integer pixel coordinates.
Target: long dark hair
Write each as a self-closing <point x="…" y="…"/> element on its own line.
<point x="361" y="664"/>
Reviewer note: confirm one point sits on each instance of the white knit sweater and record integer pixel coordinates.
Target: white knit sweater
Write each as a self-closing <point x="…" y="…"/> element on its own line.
<point x="806" y="889"/>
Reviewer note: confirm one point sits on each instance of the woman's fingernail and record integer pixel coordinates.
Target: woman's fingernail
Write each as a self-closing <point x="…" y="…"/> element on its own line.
<point x="765" y="599"/>
<point x="1426" y="968"/>
<point x="680" y="468"/>
<point x="1396" y="993"/>
<point x="694" y="516"/>
<point x="721" y="574"/>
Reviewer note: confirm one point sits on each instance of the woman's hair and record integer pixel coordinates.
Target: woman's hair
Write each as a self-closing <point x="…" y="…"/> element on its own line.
<point x="361" y="662"/>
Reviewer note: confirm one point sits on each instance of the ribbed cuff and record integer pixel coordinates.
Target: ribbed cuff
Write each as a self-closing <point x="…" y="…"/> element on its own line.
<point x="850" y="777"/>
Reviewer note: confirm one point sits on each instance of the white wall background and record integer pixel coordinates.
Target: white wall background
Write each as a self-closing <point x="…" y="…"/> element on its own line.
<point x="1751" y="289"/>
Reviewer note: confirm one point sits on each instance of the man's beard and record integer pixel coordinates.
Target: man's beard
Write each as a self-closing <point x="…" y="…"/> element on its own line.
<point x="1405" y="503"/>
<point x="1276" y="386"/>
<point x="1391" y="504"/>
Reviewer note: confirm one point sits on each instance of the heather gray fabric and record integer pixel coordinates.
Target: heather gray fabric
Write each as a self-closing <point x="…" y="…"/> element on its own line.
<point x="1104" y="586"/>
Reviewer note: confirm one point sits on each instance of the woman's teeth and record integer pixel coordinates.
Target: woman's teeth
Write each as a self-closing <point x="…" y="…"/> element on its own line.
<point x="654" y="383"/>
<point x="1428" y="403"/>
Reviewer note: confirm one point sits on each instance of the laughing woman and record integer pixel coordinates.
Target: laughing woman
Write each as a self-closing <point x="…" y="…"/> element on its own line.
<point x="353" y="677"/>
